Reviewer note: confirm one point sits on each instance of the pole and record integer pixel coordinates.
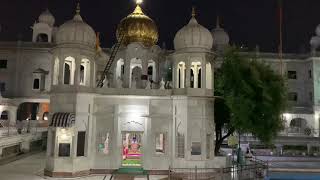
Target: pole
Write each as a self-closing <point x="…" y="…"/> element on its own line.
<point x="280" y="37"/>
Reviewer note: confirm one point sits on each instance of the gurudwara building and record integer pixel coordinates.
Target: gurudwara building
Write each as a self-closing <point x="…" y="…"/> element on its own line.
<point x="154" y="108"/>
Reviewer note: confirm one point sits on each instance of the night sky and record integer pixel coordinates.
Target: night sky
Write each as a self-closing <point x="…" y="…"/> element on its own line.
<point x="248" y="22"/>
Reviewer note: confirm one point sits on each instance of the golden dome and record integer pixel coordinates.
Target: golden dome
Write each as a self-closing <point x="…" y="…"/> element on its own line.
<point x="137" y="27"/>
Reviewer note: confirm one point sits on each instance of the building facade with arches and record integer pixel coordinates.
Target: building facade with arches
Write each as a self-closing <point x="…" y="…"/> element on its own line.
<point x="156" y="106"/>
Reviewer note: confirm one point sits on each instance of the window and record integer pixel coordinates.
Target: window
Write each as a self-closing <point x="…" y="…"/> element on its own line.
<point x="103" y="142"/>
<point x="180" y="145"/>
<point x="64" y="149"/>
<point x="293" y="96"/>
<point x="292" y="74"/>
<point x="122" y="69"/>
<point x="4" y="115"/>
<point x="3" y="64"/>
<point x="196" y="148"/>
<point x="310" y="74"/>
<point x="81" y="143"/>
<point x="67" y="73"/>
<point x="36" y="84"/>
<point x="160" y="143"/>
<point x="2" y="86"/>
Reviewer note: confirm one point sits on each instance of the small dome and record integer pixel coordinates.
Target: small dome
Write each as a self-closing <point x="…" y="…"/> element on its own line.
<point x="220" y="36"/>
<point x="47" y="18"/>
<point x="193" y="35"/>
<point x="137" y="27"/>
<point x="76" y="31"/>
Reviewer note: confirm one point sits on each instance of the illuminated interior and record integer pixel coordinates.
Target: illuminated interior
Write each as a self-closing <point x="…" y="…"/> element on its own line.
<point x="131" y="149"/>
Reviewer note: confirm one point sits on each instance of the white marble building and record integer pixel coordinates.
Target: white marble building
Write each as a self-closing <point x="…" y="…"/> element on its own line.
<point x="155" y="108"/>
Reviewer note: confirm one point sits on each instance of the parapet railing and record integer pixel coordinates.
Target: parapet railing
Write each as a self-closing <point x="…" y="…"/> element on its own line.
<point x="255" y="169"/>
<point x="22" y="127"/>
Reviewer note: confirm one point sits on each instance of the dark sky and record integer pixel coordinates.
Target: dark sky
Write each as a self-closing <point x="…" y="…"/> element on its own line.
<point x="248" y="22"/>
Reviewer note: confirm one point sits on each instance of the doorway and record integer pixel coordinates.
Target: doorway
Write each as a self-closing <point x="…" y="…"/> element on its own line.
<point x="132" y="149"/>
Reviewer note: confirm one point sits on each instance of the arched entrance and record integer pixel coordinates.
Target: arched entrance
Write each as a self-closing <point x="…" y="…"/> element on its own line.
<point x="298" y="125"/>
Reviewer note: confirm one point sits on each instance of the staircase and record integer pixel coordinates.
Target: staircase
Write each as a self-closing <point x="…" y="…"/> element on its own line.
<point x="114" y="52"/>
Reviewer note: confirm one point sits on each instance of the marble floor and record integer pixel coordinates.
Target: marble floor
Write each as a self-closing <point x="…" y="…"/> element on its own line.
<point x="31" y="168"/>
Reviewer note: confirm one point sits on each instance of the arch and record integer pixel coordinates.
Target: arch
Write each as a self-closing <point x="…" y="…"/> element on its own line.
<point x="196" y="69"/>
<point x="36" y="83"/>
<point x="152" y="74"/>
<point x="4" y="115"/>
<point x="56" y="71"/>
<point x="181" y="71"/>
<point x="136" y="77"/>
<point x="135" y="62"/>
<point x="199" y="78"/>
<point x="42" y="37"/>
<point x="69" y="70"/>
<point x="120" y="69"/>
<point x="298" y="123"/>
<point x="209" y="76"/>
<point x="85" y="72"/>
<point x="28" y="110"/>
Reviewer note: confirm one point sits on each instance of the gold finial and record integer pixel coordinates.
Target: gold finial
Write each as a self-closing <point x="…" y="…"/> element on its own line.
<point x="138" y="2"/>
<point x="78" y="7"/>
<point x="193" y="12"/>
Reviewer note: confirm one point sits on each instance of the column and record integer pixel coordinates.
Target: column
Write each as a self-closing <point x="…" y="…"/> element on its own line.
<point x="212" y="75"/>
<point x="74" y="145"/>
<point x="127" y="76"/>
<point x="188" y="74"/>
<point x="61" y="70"/>
<point x="174" y="75"/>
<point x="203" y="75"/>
<point x="77" y="70"/>
<point x="144" y="77"/>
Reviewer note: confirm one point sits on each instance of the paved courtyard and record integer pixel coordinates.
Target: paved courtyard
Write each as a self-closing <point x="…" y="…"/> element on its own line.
<point x="31" y="168"/>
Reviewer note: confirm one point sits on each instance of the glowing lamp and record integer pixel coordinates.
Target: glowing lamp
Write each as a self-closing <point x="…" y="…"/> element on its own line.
<point x="139" y="1"/>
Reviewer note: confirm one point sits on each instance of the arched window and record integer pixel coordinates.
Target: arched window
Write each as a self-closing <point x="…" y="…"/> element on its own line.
<point x="191" y="78"/>
<point x="181" y="75"/>
<point x="42" y="37"/>
<point x="36" y="84"/>
<point x="85" y="72"/>
<point x="298" y="123"/>
<point x="69" y="70"/>
<point x="67" y="73"/>
<point x="4" y="115"/>
<point x="120" y="68"/>
<point x="196" y="68"/>
<point x="199" y="78"/>
<point x="152" y="70"/>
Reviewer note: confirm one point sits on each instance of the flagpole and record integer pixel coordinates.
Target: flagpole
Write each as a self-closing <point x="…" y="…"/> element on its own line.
<point x="280" y="37"/>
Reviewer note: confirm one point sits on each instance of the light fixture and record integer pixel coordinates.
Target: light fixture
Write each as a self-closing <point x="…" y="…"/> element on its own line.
<point x="139" y="2"/>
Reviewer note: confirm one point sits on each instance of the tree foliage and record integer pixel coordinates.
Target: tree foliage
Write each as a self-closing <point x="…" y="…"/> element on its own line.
<point x="253" y="98"/>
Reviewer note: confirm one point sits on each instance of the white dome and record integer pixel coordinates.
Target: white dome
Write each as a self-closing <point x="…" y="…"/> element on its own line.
<point x="47" y="18"/>
<point x="76" y="31"/>
<point x="220" y="37"/>
<point x="193" y="35"/>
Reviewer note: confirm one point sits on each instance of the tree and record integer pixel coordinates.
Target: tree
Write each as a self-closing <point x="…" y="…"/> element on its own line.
<point x="251" y="98"/>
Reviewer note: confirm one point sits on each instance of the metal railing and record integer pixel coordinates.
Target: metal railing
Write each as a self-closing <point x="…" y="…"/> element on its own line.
<point x="22" y="127"/>
<point x="255" y="169"/>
